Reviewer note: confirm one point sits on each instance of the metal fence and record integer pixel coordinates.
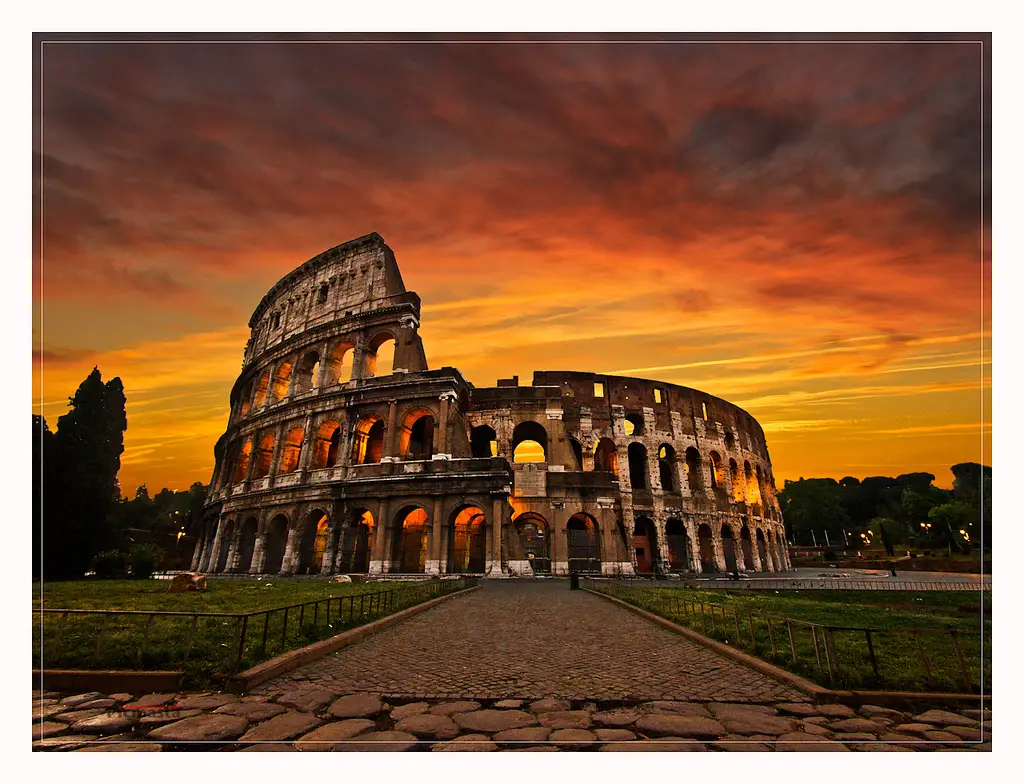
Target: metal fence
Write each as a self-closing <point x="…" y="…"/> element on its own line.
<point x="816" y="583"/>
<point x="212" y="642"/>
<point x="911" y="659"/>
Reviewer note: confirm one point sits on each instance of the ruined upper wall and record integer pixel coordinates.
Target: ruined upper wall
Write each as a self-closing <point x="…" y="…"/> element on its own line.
<point x="355" y="277"/>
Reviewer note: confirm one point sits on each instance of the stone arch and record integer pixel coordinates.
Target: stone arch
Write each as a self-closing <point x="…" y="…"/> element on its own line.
<point x="242" y="462"/>
<point x="752" y="494"/>
<point x="606" y="456"/>
<point x="243" y="405"/>
<point x="409" y="540"/>
<point x="313" y="539"/>
<point x="264" y="456"/>
<point x="483" y="441"/>
<point x="380" y="355"/>
<point x="467" y="540"/>
<point x="353" y="542"/>
<point x="637" y="455"/>
<point x="678" y="544"/>
<point x="667" y="467"/>
<point x="532" y="542"/>
<point x="584" y="543"/>
<point x="291" y="448"/>
<point x="730" y="442"/>
<point x="717" y="471"/>
<point x="747" y="548"/>
<point x="225" y="546"/>
<point x="577" y="452"/>
<point x="633" y="424"/>
<point x="694" y="470"/>
<point x="339" y="363"/>
<point x="706" y="545"/>
<point x="280" y="383"/>
<point x="306" y="372"/>
<point x="529" y="435"/>
<point x="247" y="544"/>
<point x="645" y="544"/>
<point x="274" y="543"/>
<point x="262" y="386"/>
<point x="416" y="435"/>
<point x="728" y="548"/>
<point x="326" y="444"/>
<point x="368" y="440"/>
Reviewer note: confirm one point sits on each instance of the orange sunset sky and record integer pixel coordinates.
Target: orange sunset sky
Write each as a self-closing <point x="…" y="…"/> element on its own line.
<point x="795" y="227"/>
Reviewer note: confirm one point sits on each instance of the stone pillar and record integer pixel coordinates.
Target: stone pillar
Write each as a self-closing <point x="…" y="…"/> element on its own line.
<point x="322" y="373"/>
<point x="768" y="560"/>
<point x="359" y="360"/>
<point x="233" y="549"/>
<point x="218" y="537"/>
<point x="558" y="541"/>
<point x="198" y="552"/>
<point x="755" y="555"/>
<point x="441" y="444"/>
<point x="693" y="536"/>
<point x="379" y="564"/>
<point x="497" y="525"/>
<point x="291" y="548"/>
<point x="306" y="452"/>
<point x="390" y="444"/>
<point x="718" y="546"/>
<point x="295" y="359"/>
<point x="259" y="554"/>
<point x="331" y="551"/>
<point x="660" y="519"/>
<point x="276" y="457"/>
<point x="433" y="565"/>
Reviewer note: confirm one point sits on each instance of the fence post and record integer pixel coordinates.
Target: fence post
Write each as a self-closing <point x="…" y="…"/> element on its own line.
<point x="771" y="636"/>
<point x="792" y="644"/>
<point x="266" y="628"/>
<point x="241" y="638"/>
<point x="830" y="652"/>
<point x="753" y="637"/>
<point x="871" y="654"/>
<point x="924" y="659"/>
<point x="739" y="636"/>
<point x="817" y="651"/>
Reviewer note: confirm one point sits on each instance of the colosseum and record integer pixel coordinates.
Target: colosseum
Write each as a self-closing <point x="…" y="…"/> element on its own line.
<point x="344" y="453"/>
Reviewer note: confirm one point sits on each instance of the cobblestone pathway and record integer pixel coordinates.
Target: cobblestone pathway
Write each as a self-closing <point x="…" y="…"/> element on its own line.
<point x="529" y="640"/>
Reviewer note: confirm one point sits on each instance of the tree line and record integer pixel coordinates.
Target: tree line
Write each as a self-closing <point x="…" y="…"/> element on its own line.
<point x="81" y="522"/>
<point x="891" y="511"/>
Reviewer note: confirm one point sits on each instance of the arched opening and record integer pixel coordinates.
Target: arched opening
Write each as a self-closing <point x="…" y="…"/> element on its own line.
<point x="225" y="545"/>
<point x="577" y="451"/>
<point x="728" y="549"/>
<point x="243" y="407"/>
<point x="291" y="448"/>
<point x="637" y="454"/>
<point x="529" y="443"/>
<point x="282" y="378"/>
<point x="533" y="541"/>
<point x="730" y="441"/>
<point x="242" y="464"/>
<point x="467" y="541"/>
<point x="678" y="544"/>
<point x="666" y="467"/>
<point x="760" y="485"/>
<point x="313" y="543"/>
<point x="707" y="548"/>
<point x="633" y="424"/>
<point x="260" y="396"/>
<point x="748" y="553"/>
<point x="368" y="441"/>
<point x="605" y="456"/>
<point x="306" y="372"/>
<point x="645" y="544"/>
<point x="409" y="552"/>
<point x="247" y="544"/>
<point x="717" y="472"/>
<point x="753" y="497"/>
<point x="274" y="544"/>
<point x="264" y="456"/>
<point x="694" y="471"/>
<point x="352" y="551"/>
<point x="416" y="436"/>
<point x="762" y="551"/>
<point x="380" y="356"/>
<point x="483" y="441"/>
<point x="325" y="447"/>
<point x="339" y="364"/>
<point x="737" y="486"/>
<point x="584" y="545"/>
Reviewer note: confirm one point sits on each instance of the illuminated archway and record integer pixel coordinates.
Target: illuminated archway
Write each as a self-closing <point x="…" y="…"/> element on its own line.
<point x="313" y="543"/>
<point x="467" y="541"/>
<point x="291" y="448"/>
<point x="645" y="544"/>
<point x="368" y="441"/>
<point x="483" y="441"/>
<point x="274" y="545"/>
<point x="325" y="447"/>
<point x="584" y="544"/>
<point x="529" y="443"/>
<point x="605" y="456"/>
<point x="409" y="549"/>
<point x="533" y="542"/>
<point x="264" y="456"/>
<point x="678" y="544"/>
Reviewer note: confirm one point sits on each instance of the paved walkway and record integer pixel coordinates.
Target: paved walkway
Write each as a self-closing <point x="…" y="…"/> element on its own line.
<point x="527" y="640"/>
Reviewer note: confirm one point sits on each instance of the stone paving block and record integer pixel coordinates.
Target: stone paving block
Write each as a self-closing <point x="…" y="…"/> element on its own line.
<point x="283" y="727"/>
<point x="665" y="724"/>
<point x="451" y="708"/>
<point x="471" y="742"/>
<point x="798" y="708"/>
<point x="206" y="701"/>
<point x="155" y="700"/>
<point x="355" y="706"/>
<point x="565" y="719"/>
<point x="620" y="717"/>
<point x="874" y="711"/>
<point x="672" y="706"/>
<point x="270" y="747"/>
<point x="306" y="700"/>
<point x="979" y="714"/>
<point x="150" y="720"/>
<point x="208" y="727"/>
<point x="522" y="735"/>
<point x="549" y="704"/>
<point x="608" y="734"/>
<point x="739" y="745"/>
<point x="391" y="740"/>
<point x="903" y="739"/>
<point x="533" y="748"/>
<point x="121" y="747"/>
<point x="835" y="711"/>
<point x="913" y="728"/>
<point x="61" y="742"/>
<point x="252" y="711"/>
<point x="802" y="741"/>
<point x="77" y="699"/>
<point x="855" y="737"/>
<point x="573" y="738"/>
<point x="879" y="747"/>
<point x="46" y="711"/>
<point x="412" y="709"/>
<point x="857" y="724"/>
<point x="967" y="733"/>
<point x="327" y="736"/>
<point x="105" y="723"/>
<point x="428" y="727"/>
<point x="121" y="696"/>
<point x="663" y="744"/>
<point x="945" y="719"/>
<point x="104" y="702"/>
<point x="742" y="721"/>
<point x="494" y="720"/>
<point x="509" y="704"/>
<point x="945" y="737"/>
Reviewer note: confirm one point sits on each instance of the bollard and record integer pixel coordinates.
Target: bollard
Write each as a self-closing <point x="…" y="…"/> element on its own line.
<point x="574" y="581"/>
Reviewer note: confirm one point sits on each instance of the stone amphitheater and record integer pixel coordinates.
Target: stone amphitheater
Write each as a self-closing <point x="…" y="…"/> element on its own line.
<point x="345" y="454"/>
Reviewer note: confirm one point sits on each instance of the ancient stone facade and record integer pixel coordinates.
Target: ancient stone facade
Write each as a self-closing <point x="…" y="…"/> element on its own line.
<point x="333" y="462"/>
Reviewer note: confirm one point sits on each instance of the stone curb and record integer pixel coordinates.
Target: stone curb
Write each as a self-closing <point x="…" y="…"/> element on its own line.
<point x="286" y="662"/>
<point x="108" y="681"/>
<point x="821" y="693"/>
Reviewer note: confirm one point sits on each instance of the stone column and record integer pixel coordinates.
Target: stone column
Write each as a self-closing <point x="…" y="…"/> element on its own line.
<point x="359" y="351"/>
<point x="378" y="563"/>
<point x="218" y="537"/>
<point x="322" y="373"/>
<point x="252" y="461"/>
<point x="233" y="549"/>
<point x="768" y="560"/>
<point x="198" y="552"/>
<point x="390" y="444"/>
<point x="558" y="540"/>
<point x="755" y="555"/>
<point x="692" y="530"/>
<point x="717" y="545"/>
<point x="433" y="565"/>
<point x="660" y="519"/>
<point x="331" y="551"/>
<point x="306" y="452"/>
<point x="497" y="523"/>
<point x="291" y="548"/>
<point x="259" y="554"/>
<point x="276" y="457"/>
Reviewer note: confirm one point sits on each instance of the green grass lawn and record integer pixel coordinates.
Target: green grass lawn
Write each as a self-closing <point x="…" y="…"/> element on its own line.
<point x="891" y="614"/>
<point x="205" y="647"/>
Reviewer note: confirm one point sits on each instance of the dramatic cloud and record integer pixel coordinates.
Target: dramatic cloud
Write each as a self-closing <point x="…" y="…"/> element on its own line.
<point x="763" y="220"/>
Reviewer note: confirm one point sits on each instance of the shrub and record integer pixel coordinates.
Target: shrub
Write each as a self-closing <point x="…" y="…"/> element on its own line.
<point x="110" y="564"/>
<point x="143" y="560"/>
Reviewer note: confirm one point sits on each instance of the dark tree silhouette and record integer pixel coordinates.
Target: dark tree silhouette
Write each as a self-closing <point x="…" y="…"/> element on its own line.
<point x="82" y="489"/>
<point x="42" y="470"/>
